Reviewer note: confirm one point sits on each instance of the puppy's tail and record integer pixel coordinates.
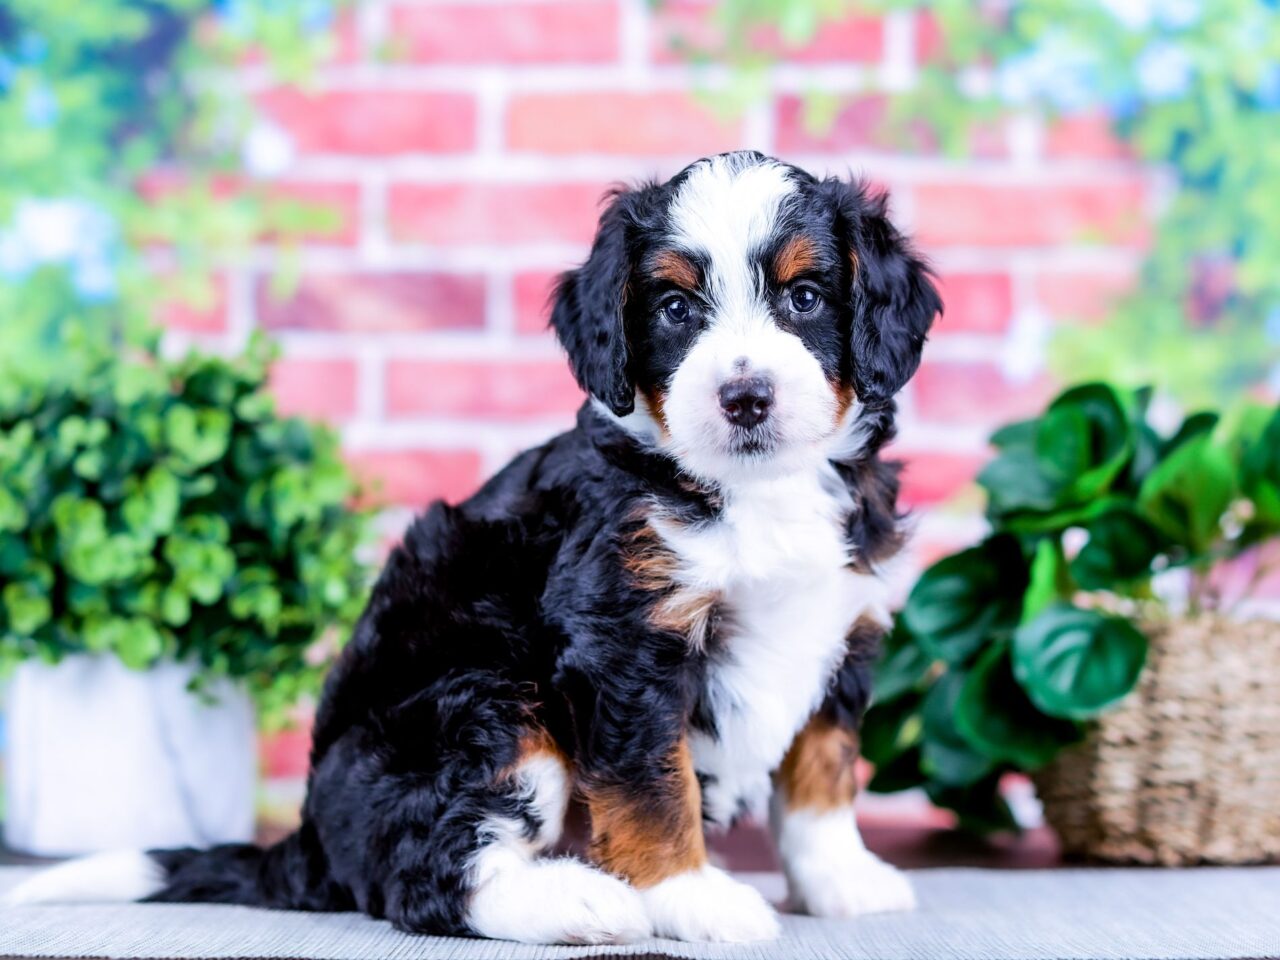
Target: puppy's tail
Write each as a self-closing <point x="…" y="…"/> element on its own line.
<point x="283" y="876"/>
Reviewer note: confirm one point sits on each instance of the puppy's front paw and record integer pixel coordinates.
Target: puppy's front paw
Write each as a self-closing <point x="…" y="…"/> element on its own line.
<point x="826" y="886"/>
<point x="709" y="905"/>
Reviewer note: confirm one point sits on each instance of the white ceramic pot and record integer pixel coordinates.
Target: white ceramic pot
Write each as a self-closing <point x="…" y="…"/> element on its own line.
<point x="101" y="757"/>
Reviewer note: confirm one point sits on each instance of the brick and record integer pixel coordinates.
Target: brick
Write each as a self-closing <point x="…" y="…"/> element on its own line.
<point x="1082" y="294"/>
<point x="863" y="123"/>
<point x="932" y="477"/>
<point x="975" y="303"/>
<point x="497" y="213"/>
<point x="332" y="207"/>
<point x="1003" y="215"/>
<point x="286" y="753"/>
<point x="1087" y="137"/>
<point x="415" y="478"/>
<point x="930" y="38"/>
<point x="858" y="124"/>
<point x="532" y="291"/>
<point x="317" y="389"/>
<point x="618" y="123"/>
<point x="559" y="31"/>
<point x="375" y="302"/>
<point x="687" y="28"/>
<point x="374" y="122"/>
<point x="498" y="389"/>
<point x="974" y="393"/>
<point x="335" y="207"/>
<point x="194" y="310"/>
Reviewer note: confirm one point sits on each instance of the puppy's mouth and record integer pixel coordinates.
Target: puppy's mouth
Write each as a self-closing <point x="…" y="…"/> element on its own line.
<point x="756" y="443"/>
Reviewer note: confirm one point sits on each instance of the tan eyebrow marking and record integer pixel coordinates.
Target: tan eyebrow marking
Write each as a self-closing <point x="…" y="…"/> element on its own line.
<point x="798" y="255"/>
<point x="675" y="268"/>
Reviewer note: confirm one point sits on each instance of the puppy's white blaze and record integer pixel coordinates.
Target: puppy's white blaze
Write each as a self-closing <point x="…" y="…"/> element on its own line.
<point x="116" y="876"/>
<point x="709" y="905"/>
<point x="830" y="872"/>
<point x="727" y="208"/>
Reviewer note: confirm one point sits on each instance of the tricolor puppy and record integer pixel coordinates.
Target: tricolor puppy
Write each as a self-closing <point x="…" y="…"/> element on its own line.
<point x="669" y="611"/>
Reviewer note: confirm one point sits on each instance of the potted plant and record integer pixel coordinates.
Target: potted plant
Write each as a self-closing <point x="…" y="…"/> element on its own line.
<point x="171" y="550"/>
<point x="1088" y="639"/>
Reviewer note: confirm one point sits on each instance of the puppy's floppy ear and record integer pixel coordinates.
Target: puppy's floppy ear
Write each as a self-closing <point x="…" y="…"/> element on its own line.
<point x="894" y="298"/>
<point x="588" y="311"/>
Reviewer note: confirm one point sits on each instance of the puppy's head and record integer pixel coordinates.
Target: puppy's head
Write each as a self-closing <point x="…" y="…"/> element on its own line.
<point x="744" y="314"/>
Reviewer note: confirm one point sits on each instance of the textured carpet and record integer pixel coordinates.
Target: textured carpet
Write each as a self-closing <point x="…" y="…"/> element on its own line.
<point x="964" y="913"/>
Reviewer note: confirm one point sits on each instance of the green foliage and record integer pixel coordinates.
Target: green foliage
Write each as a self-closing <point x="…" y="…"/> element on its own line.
<point x="95" y="99"/>
<point x="1005" y="650"/>
<point x="1192" y="86"/>
<point x="153" y="508"/>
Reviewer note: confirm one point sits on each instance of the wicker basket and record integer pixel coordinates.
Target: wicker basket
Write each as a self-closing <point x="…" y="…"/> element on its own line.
<point x="1187" y="769"/>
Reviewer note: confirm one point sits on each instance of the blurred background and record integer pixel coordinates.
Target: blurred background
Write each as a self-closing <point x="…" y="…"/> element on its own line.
<point x="386" y="188"/>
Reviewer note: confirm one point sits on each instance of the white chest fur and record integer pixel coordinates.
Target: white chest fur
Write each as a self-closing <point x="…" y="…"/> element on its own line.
<point x="779" y="562"/>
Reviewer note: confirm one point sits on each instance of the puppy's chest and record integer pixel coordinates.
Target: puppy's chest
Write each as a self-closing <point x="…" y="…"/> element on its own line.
<point x="778" y="565"/>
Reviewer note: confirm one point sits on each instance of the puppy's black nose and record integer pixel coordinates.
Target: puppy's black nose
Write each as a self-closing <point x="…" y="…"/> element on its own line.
<point x="746" y="401"/>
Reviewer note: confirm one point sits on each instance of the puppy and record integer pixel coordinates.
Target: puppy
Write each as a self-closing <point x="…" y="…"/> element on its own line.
<point x="669" y="611"/>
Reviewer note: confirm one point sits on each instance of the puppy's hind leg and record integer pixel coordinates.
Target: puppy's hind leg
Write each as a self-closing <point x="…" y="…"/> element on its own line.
<point x="519" y="897"/>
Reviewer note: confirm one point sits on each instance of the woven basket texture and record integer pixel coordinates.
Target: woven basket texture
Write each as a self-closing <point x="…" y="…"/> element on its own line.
<point x="1187" y="769"/>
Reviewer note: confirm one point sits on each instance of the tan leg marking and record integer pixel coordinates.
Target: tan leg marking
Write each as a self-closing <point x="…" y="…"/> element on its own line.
<point x="648" y="835"/>
<point x="818" y="773"/>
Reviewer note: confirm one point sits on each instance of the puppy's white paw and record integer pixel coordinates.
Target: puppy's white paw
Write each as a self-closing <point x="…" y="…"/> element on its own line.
<point x="709" y="905"/>
<point x="555" y="901"/>
<point x="826" y="887"/>
<point x="830" y="873"/>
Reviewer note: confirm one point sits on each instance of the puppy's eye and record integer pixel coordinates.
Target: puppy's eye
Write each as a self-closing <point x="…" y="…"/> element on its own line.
<point x="804" y="299"/>
<point x="676" y="309"/>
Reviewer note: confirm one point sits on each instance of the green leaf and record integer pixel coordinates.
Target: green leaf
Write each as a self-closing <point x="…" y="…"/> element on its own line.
<point x="1121" y="548"/>
<point x="1086" y="435"/>
<point x="151" y="507"/>
<point x="1015" y="481"/>
<point x="962" y="599"/>
<point x="1075" y="663"/>
<point x="27" y="606"/>
<point x="945" y="755"/>
<point x="980" y="807"/>
<point x="13" y="515"/>
<point x="994" y="714"/>
<point x="891" y="728"/>
<point x="1185" y="496"/>
<point x="197" y="436"/>
<point x="1049" y="581"/>
<point x="1260" y="472"/>
<point x="902" y="665"/>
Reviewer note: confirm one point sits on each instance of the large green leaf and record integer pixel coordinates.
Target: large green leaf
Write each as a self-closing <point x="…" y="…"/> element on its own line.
<point x="1084" y="440"/>
<point x="891" y="728"/>
<point x="902" y="665"/>
<point x="1260" y="472"/>
<point x="1049" y="580"/>
<point x="1186" y="495"/>
<point x="1075" y="663"/>
<point x="962" y="599"/>
<point x="1120" y="549"/>
<point x="994" y="714"/>
<point x="979" y="806"/>
<point x="1015" y="481"/>
<point x="945" y="755"/>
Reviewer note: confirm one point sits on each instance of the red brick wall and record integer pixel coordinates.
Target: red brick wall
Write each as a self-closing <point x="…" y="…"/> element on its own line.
<point x="465" y="146"/>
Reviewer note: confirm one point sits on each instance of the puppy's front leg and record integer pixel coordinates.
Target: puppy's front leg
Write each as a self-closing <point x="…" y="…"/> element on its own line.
<point x="830" y="872"/>
<point x="650" y="832"/>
